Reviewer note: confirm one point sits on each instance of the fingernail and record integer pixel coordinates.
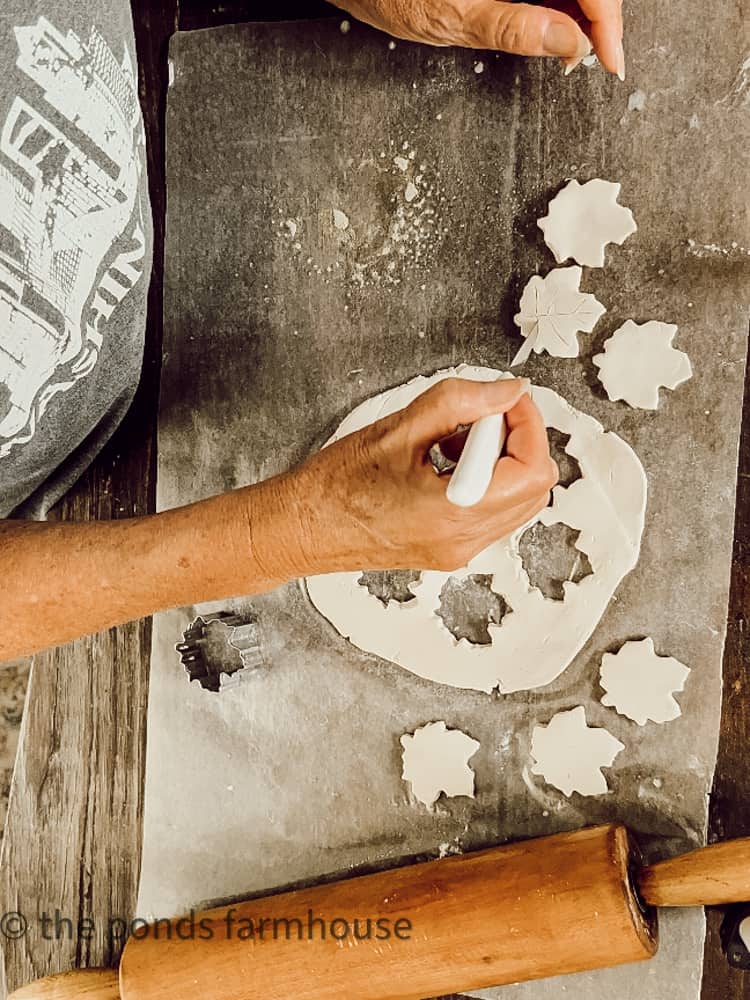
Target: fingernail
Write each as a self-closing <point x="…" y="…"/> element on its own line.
<point x="562" y="39"/>
<point x="621" y="62"/>
<point x="571" y="64"/>
<point x="525" y="384"/>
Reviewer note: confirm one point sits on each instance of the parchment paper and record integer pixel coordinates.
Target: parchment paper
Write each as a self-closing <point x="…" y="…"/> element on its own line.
<point x="278" y="322"/>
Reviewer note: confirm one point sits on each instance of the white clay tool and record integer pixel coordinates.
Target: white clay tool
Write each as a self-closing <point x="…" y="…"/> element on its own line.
<point x="472" y="476"/>
<point x="526" y="348"/>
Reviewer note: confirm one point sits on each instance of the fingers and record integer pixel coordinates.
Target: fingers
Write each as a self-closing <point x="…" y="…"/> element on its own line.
<point x="527" y="30"/>
<point x="527" y="432"/>
<point x="453" y="446"/>
<point x="515" y="483"/>
<point x="526" y="470"/>
<point x="455" y="401"/>
<point x="605" y="17"/>
<point x="493" y="528"/>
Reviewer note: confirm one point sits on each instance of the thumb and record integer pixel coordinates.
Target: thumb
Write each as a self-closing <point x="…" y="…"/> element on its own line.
<point x="526" y="30"/>
<point x="456" y="401"/>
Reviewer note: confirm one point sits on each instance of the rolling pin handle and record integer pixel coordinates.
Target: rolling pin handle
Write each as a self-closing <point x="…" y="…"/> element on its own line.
<point x="710" y="876"/>
<point x="85" y="984"/>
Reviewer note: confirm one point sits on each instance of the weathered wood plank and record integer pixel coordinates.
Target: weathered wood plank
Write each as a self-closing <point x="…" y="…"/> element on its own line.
<point x="730" y="805"/>
<point x="73" y="835"/>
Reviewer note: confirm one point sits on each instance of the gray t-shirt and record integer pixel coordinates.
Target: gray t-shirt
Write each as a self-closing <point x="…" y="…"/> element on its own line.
<point x="75" y="240"/>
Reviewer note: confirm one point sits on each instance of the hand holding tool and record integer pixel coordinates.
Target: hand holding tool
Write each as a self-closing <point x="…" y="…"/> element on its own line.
<point x="472" y="476"/>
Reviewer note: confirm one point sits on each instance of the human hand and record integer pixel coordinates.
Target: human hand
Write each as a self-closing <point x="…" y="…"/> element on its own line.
<point x="563" y="28"/>
<point x="373" y="500"/>
<point x="370" y="501"/>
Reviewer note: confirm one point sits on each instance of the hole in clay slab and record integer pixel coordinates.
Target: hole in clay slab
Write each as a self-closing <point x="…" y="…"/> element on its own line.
<point x="215" y="649"/>
<point x="570" y="470"/>
<point x="549" y="557"/>
<point x="390" y="584"/>
<point x="468" y="606"/>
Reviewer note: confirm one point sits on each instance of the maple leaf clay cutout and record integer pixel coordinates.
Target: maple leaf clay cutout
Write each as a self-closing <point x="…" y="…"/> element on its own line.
<point x="638" y="359"/>
<point x="569" y="754"/>
<point x="583" y="218"/>
<point x="553" y="311"/>
<point x="436" y="759"/>
<point x="641" y="684"/>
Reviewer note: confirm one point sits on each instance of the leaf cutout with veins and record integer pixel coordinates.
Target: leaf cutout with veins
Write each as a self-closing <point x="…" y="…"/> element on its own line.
<point x="552" y="311"/>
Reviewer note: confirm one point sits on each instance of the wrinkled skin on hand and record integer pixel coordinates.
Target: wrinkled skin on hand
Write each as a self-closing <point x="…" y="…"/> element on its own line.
<point x="563" y="28"/>
<point x="373" y="500"/>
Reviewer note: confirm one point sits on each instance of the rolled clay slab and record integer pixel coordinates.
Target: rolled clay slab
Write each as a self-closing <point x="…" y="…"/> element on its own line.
<point x="538" y="637"/>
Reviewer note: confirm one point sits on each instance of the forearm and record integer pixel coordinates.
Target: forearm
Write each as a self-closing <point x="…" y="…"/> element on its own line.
<point x="63" y="580"/>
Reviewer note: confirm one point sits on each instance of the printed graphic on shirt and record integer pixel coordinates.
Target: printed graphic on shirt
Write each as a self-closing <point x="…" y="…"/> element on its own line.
<point x="71" y="225"/>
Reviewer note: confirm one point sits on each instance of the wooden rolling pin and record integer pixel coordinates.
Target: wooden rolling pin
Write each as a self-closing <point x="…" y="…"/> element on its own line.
<point x="560" y="904"/>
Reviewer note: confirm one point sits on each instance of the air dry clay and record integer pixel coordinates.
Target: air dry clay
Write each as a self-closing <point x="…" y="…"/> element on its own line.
<point x="538" y="637"/>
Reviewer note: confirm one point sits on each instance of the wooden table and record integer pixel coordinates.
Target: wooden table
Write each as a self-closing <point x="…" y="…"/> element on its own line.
<point x="73" y="835"/>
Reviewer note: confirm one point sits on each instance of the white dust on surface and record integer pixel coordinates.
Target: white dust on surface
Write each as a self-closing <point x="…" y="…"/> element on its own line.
<point x="637" y="101"/>
<point x="340" y="219"/>
<point x="717" y="250"/>
<point x="380" y="252"/>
